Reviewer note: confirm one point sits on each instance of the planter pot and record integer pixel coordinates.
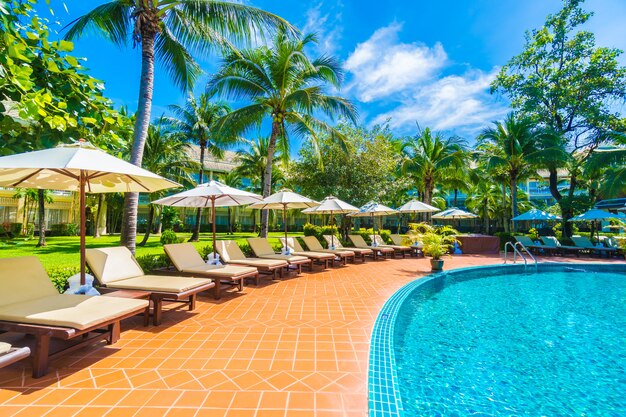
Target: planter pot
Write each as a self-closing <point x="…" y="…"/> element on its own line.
<point x="436" y="264"/>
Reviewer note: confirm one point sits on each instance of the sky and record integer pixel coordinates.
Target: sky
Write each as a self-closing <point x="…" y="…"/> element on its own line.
<point x="408" y="62"/>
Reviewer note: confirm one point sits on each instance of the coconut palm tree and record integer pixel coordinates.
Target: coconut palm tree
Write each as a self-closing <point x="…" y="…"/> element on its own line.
<point x="286" y="88"/>
<point x="166" y="154"/>
<point x="430" y="158"/>
<point x="170" y="31"/>
<point x="611" y="161"/>
<point x="253" y="160"/>
<point x="196" y="122"/>
<point x="232" y="179"/>
<point x="516" y="148"/>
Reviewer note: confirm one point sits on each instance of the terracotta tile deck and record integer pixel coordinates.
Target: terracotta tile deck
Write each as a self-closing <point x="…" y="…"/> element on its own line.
<point x="297" y="347"/>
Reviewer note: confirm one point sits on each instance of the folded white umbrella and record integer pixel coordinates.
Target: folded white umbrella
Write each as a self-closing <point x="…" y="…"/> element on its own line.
<point x="283" y="200"/>
<point x="78" y="167"/>
<point x="332" y="205"/>
<point x="211" y="194"/>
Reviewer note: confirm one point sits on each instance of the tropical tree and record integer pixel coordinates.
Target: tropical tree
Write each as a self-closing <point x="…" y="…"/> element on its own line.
<point x="516" y="149"/>
<point x="287" y="88"/>
<point x="166" y="154"/>
<point x="232" y="179"/>
<point x="170" y="31"/>
<point x="430" y="158"/>
<point x="196" y="122"/>
<point x="610" y="164"/>
<point x="253" y="161"/>
<point x="566" y="83"/>
<point x="484" y="199"/>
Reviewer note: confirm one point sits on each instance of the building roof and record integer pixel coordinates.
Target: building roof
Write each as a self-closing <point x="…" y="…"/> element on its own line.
<point x="611" y="204"/>
<point x="211" y="163"/>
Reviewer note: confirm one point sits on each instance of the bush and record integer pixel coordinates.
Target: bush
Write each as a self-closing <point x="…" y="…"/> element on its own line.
<point x="506" y="237"/>
<point x="64" y="229"/>
<point x="30" y="230"/>
<point x="534" y="234"/>
<point x="383" y="233"/>
<point x="151" y="262"/>
<point x="311" y="230"/>
<point x="168" y="237"/>
<point x="16" y="229"/>
<point x="60" y="276"/>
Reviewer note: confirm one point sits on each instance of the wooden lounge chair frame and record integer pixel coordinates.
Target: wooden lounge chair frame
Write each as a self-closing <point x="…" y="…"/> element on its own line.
<point x="236" y="280"/>
<point x="377" y="250"/>
<point x="222" y="249"/>
<point x="108" y="330"/>
<point x="359" y="253"/>
<point x="397" y="249"/>
<point x="319" y="258"/>
<point x="158" y="297"/>
<point x="14" y="354"/>
<point x="344" y="255"/>
<point x="295" y="265"/>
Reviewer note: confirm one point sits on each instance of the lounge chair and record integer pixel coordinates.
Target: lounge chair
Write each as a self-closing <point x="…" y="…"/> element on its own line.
<point x="532" y="246"/>
<point x="313" y="244"/>
<point x="231" y="253"/>
<point x="188" y="262"/>
<point x="262" y="249"/>
<point x="416" y="249"/>
<point x="30" y="304"/>
<point x="359" y="242"/>
<point x="9" y="354"/>
<point x="360" y="253"/>
<point x="116" y="268"/>
<point x="321" y="258"/>
<point x="583" y="242"/>
<point x="397" y="249"/>
<point x="553" y="242"/>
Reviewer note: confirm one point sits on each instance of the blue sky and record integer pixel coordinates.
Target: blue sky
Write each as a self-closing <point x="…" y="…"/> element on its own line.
<point x="409" y="61"/>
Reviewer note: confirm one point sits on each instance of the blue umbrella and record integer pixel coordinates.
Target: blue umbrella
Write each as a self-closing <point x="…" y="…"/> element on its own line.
<point x="594" y="215"/>
<point x="536" y="215"/>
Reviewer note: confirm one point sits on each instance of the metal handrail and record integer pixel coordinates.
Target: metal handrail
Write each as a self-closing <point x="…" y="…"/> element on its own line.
<point x="527" y="251"/>
<point x="515" y="253"/>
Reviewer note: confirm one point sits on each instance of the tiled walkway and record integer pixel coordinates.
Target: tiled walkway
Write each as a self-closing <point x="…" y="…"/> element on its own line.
<point x="293" y="348"/>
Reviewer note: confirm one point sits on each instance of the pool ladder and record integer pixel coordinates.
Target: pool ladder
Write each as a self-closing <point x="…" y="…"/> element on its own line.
<point x="518" y="250"/>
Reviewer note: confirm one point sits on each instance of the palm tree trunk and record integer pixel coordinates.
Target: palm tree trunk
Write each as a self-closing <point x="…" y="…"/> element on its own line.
<point x="146" y="235"/>
<point x="456" y="197"/>
<point x="42" y="218"/>
<point x="96" y="229"/>
<point x="267" y="177"/>
<point x="505" y="223"/>
<point x="146" y="86"/>
<point x="230" y="222"/>
<point x="514" y="211"/>
<point x="196" y="229"/>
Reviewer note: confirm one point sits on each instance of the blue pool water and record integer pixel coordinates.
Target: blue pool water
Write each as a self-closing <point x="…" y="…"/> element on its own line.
<point x="494" y="344"/>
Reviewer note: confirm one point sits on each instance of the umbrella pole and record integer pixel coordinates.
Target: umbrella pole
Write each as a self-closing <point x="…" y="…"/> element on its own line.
<point x="285" y="224"/>
<point x="332" y="234"/>
<point x="213" y="222"/>
<point x="83" y="226"/>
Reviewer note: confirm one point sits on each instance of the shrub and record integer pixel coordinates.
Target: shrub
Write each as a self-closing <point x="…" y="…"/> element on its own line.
<point x="151" y="262"/>
<point x="533" y="233"/>
<point x="64" y="229"/>
<point x="311" y="230"/>
<point x="59" y="276"/>
<point x="506" y="237"/>
<point x="170" y="218"/>
<point x="30" y="230"/>
<point x="16" y="229"/>
<point x="168" y="237"/>
<point x="436" y="245"/>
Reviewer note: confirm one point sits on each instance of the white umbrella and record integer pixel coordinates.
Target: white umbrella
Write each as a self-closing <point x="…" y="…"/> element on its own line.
<point x="283" y="200"/>
<point x="332" y="205"/>
<point x="372" y="209"/>
<point x="211" y="194"/>
<point x="454" y="213"/>
<point x="416" y="206"/>
<point x="78" y="167"/>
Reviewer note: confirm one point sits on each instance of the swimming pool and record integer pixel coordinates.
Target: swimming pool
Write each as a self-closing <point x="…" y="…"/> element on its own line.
<point x="499" y="341"/>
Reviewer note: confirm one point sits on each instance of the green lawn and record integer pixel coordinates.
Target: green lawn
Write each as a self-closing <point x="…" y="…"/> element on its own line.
<point x="62" y="252"/>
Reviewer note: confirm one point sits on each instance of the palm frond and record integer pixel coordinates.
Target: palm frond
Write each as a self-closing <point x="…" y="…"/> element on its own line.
<point x="179" y="64"/>
<point x="112" y="19"/>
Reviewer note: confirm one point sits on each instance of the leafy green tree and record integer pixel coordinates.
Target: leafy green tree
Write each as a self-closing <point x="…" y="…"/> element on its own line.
<point x="253" y="160"/>
<point x="285" y="86"/>
<point x="429" y="158"/>
<point x="361" y="169"/>
<point x="564" y="82"/>
<point x="484" y="200"/>
<point x="515" y="148"/>
<point x="166" y="154"/>
<point x="609" y="164"/>
<point x="169" y="31"/>
<point x="196" y="122"/>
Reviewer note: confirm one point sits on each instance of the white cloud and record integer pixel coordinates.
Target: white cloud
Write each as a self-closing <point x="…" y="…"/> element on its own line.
<point x="382" y="66"/>
<point x="327" y="26"/>
<point x="417" y="84"/>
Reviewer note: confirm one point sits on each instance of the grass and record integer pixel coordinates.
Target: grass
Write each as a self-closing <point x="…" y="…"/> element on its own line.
<point x="63" y="251"/>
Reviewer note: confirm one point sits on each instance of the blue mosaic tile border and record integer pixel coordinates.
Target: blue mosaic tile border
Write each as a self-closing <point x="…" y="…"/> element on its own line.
<point x="384" y="398"/>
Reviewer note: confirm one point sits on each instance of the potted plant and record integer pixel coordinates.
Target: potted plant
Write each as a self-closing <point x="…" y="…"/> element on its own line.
<point x="435" y="246"/>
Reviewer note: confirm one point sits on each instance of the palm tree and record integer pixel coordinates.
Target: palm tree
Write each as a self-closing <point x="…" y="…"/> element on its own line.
<point x="169" y="30"/>
<point x="611" y="162"/>
<point x="286" y="87"/>
<point x="196" y="121"/>
<point x="166" y="154"/>
<point x="431" y="158"/>
<point x="484" y="199"/>
<point x="515" y="148"/>
<point x="232" y="179"/>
